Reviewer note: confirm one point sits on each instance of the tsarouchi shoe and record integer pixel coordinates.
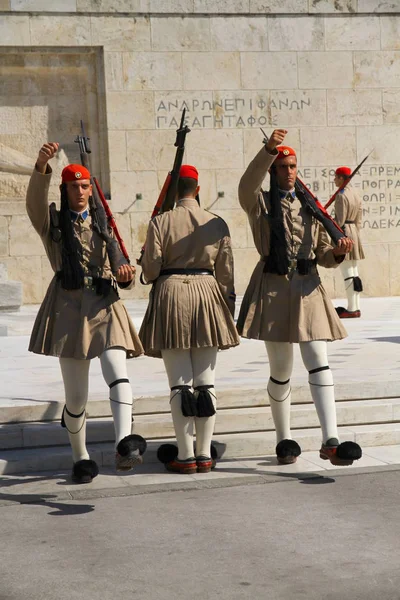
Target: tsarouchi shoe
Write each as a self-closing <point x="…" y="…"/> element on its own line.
<point x="129" y="452"/>
<point x="84" y="471"/>
<point x="184" y="467"/>
<point x="341" y="455"/>
<point x="205" y="464"/>
<point x="287" y="452"/>
<point x="343" y="313"/>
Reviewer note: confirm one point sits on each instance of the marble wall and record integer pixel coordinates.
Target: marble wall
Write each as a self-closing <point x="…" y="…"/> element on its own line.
<point x="328" y="71"/>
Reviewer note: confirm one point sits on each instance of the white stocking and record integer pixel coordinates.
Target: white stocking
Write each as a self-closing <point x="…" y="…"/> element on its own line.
<point x="349" y="270"/>
<point x="315" y="358"/>
<point x="280" y="355"/>
<point x="113" y="367"/>
<point x="178" y="365"/>
<point x="204" y="361"/>
<point x="75" y="374"/>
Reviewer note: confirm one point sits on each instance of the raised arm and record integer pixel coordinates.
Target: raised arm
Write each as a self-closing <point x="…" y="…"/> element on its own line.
<point x="251" y="181"/>
<point x="38" y="189"/>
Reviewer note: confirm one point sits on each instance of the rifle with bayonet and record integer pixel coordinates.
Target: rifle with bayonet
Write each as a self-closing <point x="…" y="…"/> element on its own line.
<point x="348" y="179"/>
<point x="167" y="196"/>
<point x="314" y="207"/>
<point x="103" y="221"/>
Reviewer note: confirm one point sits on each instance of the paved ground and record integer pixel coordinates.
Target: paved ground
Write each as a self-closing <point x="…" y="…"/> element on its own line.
<point x="369" y="354"/>
<point x="330" y="537"/>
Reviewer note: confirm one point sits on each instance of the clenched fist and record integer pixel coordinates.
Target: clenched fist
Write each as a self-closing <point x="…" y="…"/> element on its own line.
<point x="344" y="246"/>
<point x="46" y="152"/>
<point x="276" y="139"/>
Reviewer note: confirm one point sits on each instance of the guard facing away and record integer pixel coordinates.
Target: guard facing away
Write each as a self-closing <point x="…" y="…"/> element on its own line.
<point x="81" y="316"/>
<point x="285" y="301"/>
<point x="188" y="257"/>
<point x="348" y="214"/>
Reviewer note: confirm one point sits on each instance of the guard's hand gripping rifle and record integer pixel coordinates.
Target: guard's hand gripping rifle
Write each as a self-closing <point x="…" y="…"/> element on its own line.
<point x="102" y="218"/>
<point x="166" y="199"/>
<point x="314" y="207"/>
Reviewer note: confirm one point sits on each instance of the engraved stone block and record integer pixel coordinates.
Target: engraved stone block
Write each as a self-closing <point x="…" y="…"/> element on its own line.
<point x="347" y="33"/>
<point x="354" y="107"/>
<point x="384" y="141"/>
<point x="146" y="152"/>
<point x="318" y="148"/>
<point x="222" y="6"/>
<point x="14" y="30"/>
<point x="376" y="69"/>
<point x="44" y="5"/>
<point x="5" y="5"/>
<point x="126" y="186"/>
<point x="390" y="32"/>
<point x="379" y="6"/>
<point x="130" y="110"/>
<point x="227" y="182"/>
<point x="376" y="263"/>
<point x="172" y="6"/>
<point x="74" y="31"/>
<point x="121" y="33"/>
<point x="117" y="150"/>
<point x="283" y="33"/>
<point x="113" y="6"/>
<point x="206" y="70"/>
<point x="209" y="149"/>
<point x="394" y="272"/>
<point x="3" y="238"/>
<point x="391" y="102"/>
<point x="295" y="108"/>
<point x="180" y="33"/>
<point x="239" y="33"/>
<point x="152" y="70"/>
<point x="279" y="6"/>
<point x="23" y="239"/>
<point x="325" y="70"/>
<point x="327" y="6"/>
<point x="25" y="269"/>
<point x="113" y="71"/>
<point x="276" y="70"/>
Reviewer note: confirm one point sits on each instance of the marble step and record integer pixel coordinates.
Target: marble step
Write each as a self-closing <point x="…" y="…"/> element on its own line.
<point x="229" y="445"/>
<point x="23" y="410"/>
<point x="230" y="420"/>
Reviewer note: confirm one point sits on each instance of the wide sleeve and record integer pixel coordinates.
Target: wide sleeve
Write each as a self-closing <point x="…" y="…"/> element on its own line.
<point x="224" y="273"/>
<point x="251" y="181"/>
<point x="152" y="257"/>
<point x="37" y="205"/>
<point x="323" y="251"/>
<point x="341" y="209"/>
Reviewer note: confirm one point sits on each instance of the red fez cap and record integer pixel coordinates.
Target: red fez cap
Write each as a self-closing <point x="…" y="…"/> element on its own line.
<point x="189" y="171"/>
<point x="284" y="152"/>
<point x="343" y="172"/>
<point x="74" y="173"/>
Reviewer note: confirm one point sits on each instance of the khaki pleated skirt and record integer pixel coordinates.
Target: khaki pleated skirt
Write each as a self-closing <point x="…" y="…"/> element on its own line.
<point x="288" y="308"/>
<point x="186" y="311"/>
<point x="81" y="324"/>
<point x="357" y="251"/>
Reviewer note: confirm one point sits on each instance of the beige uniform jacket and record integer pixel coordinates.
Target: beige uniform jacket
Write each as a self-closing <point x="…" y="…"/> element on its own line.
<point x="348" y="208"/>
<point x="76" y="323"/>
<point x="188" y="311"/>
<point x="293" y="307"/>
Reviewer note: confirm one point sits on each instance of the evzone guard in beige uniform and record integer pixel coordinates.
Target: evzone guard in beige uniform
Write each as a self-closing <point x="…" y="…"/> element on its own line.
<point x="285" y="301"/>
<point x="81" y="316"/>
<point x="348" y="215"/>
<point x="188" y="257"/>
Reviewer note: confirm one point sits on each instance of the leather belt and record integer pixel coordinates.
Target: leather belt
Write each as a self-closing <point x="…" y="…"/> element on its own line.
<point x="349" y="222"/>
<point x="186" y="272"/>
<point x="100" y="285"/>
<point x="304" y="266"/>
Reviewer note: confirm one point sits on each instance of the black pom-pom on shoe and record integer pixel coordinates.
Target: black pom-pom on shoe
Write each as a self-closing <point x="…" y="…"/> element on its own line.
<point x="167" y="453"/>
<point x="129" y="452"/>
<point x="287" y="452"/>
<point x="349" y="451"/>
<point x="84" y="471"/>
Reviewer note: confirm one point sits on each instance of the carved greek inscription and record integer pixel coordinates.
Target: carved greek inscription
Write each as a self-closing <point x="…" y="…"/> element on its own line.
<point x="240" y="110"/>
